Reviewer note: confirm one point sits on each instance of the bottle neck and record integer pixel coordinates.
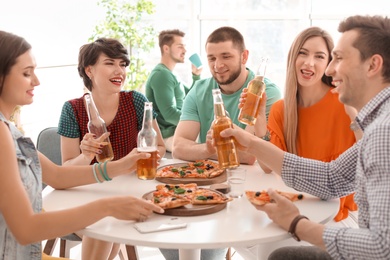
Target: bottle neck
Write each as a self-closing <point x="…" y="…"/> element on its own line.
<point x="93" y="113"/>
<point x="147" y="137"/>
<point x="219" y="110"/>
<point x="262" y="68"/>
<point x="148" y="118"/>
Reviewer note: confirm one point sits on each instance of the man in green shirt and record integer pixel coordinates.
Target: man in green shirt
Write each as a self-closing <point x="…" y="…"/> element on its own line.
<point x="227" y="57"/>
<point x="164" y="88"/>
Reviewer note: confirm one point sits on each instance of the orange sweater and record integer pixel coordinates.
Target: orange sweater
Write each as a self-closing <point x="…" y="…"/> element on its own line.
<point x="323" y="134"/>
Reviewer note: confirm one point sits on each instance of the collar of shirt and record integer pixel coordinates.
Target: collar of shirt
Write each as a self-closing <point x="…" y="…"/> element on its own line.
<point x="375" y="106"/>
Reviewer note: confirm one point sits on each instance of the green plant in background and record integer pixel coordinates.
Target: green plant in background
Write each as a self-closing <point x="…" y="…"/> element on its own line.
<point x="123" y="22"/>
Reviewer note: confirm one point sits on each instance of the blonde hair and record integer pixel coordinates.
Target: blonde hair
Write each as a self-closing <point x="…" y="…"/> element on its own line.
<point x="290" y="129"/>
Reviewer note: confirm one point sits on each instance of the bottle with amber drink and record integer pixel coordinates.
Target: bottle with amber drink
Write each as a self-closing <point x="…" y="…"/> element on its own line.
<point x="147" y="142"/>
<point x="97" y="126"/>
<point x="226" y="148"/>
<point x="256" y="87"/>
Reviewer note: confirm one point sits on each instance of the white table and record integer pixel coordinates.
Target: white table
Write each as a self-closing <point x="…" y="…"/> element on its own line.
<point x="238" y="225"/>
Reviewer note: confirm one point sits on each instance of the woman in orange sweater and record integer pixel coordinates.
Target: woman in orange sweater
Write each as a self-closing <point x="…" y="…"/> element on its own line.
<point x="310" y="121"/>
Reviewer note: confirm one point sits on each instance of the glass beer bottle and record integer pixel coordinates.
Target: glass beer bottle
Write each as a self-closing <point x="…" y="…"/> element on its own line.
<point x="97" y="126"/>
<point x="226" y="148"/>
<point x="147" y="142"/>
<point x="256" y="87"/>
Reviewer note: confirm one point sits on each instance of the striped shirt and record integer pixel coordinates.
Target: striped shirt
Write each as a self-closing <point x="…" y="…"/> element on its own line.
<point x="364" y="169"/>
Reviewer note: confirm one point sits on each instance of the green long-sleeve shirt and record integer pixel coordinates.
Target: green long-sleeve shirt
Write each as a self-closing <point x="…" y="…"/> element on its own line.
<point x="167" y="93"/>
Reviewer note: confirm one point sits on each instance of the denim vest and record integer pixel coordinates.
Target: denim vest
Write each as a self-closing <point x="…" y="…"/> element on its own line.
<point x="31" y="176"/>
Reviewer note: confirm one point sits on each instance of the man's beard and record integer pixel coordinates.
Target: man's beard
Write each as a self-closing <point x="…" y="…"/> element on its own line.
<point x="231" y="78"/>
<point x="177" y="60"/>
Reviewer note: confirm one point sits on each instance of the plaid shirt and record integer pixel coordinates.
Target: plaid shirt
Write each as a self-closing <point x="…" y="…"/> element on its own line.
<point x="123" y="129"/>
<point x="364" y="169"/>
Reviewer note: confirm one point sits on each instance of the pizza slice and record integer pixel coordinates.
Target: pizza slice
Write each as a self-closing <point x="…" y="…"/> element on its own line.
<point x="200" y="169"/>
<point x="208" y="168"/>
<point x="206" y="196"/>
<point x="215" y="172"/>
<point x="168" y="172"/>
<point x="261" y="197"/>
<point x="291" y="196"/>
<point x="167" y="200"/>
<point x="179" y="190"/>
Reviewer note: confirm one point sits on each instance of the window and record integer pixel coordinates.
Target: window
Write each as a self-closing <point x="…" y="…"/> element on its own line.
<point x="57" y="29"/>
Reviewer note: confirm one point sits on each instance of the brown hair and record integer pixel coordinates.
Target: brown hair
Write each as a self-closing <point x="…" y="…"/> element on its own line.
<point x="290" y="128"/>
<point x="373" y="38"/>
<point x="11" y="47"/>
<point x="224" y="34"/>
<point x="89" y="54"/>
<point x="167" y="37"/>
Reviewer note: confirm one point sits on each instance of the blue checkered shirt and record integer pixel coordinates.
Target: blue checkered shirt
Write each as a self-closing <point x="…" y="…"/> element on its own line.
<point x="363" y="169"/>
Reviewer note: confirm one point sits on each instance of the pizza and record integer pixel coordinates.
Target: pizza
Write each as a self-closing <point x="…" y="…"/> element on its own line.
<point x="206" y="196"/>
<point x="202" y="169"/>
<point x="169" y="196"/>
<point x="186" y="191"/>
<point x="261" y="197"/>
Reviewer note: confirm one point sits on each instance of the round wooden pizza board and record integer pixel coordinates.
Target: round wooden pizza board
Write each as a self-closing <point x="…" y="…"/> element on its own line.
<point x="190" y="210"/>
<point x="199" y="181"/>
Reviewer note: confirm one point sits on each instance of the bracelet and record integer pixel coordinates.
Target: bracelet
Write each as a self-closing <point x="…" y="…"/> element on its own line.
<point x="105" y="172"/>
<point x="293" y="226"/>
<point x="267" y="136"/>
<point x="94" y="173"/>
<point x="101" y="171"/>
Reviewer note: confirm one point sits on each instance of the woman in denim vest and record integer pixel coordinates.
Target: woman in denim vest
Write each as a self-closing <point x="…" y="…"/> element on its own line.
<point x="23" y="169"/>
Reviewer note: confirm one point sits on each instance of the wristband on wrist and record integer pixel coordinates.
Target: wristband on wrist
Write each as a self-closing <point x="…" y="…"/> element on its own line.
<point x="293" y="226"/>
<point x="106" y="177"/>
<point x="103" y="172"/>
<point x="94" y="173"/>
<point x="267" y="136"/>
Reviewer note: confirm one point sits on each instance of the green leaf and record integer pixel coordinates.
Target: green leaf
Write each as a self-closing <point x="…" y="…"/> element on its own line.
<point x="179" y="191"/>
<point x="123" y="21"/>
<point x="199" y="170"/>
<point x="198" y="164"/>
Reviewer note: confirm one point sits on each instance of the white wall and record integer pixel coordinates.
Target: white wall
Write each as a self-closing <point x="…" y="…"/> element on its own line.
<point x="57" y="28"/>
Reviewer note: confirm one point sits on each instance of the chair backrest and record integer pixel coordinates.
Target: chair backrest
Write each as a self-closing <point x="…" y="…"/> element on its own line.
<point x="49" y="143"/>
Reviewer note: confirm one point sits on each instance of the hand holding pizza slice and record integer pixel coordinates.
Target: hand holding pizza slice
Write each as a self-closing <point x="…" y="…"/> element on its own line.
<point x="260" y="198"/>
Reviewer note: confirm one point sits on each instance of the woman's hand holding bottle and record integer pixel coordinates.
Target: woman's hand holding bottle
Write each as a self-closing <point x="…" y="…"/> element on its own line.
<point x="90" y="146"/>
<point x="130" y="160"/>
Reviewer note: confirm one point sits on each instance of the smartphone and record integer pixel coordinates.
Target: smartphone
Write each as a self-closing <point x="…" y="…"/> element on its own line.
<point x="159" y="225"/>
